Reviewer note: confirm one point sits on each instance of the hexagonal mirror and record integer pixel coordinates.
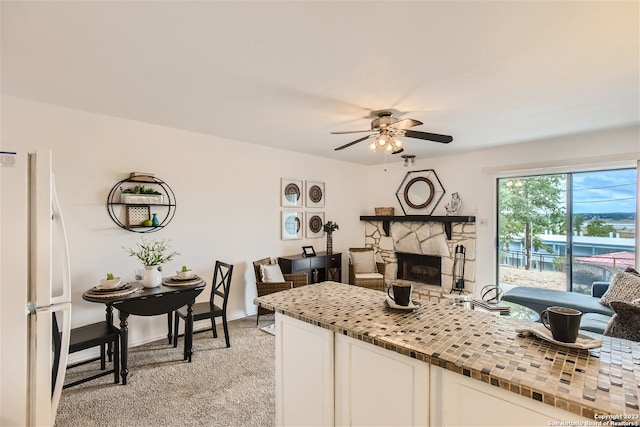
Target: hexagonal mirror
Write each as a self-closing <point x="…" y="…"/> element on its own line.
<point x="420" y="192"/>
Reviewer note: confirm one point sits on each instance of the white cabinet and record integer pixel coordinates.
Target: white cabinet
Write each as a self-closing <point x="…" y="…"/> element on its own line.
<point x="378" y="387"/>
<point x="329" y="379"/>
<point x="304" y="374"/>
<point x="457" y="400"/>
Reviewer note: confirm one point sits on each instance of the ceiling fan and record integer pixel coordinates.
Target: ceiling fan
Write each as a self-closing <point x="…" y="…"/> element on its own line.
<point x="387" y="131"/>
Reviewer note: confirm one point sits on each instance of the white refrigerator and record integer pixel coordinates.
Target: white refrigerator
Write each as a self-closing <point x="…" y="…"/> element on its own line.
<point x="34" y="286"/>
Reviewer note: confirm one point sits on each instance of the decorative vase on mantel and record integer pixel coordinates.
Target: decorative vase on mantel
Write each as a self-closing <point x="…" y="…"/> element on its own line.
<point x="151" y="277"/>
<point x="329" y="243"/>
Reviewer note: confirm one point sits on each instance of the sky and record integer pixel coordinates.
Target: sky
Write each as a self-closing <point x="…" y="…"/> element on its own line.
<point x="604" y="191"/>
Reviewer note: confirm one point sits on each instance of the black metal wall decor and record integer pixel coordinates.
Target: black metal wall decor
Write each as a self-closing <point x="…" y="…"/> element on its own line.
<point x="420" y="192"/>
<point x="141" y="203"/>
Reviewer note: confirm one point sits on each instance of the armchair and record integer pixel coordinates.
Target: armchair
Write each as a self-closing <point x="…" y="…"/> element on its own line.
<point x="364" y="271"/>
<point x="293" y="280"/>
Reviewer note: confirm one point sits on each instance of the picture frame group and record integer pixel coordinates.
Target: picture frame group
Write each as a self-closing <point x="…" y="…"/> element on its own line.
<point x="298" y="193"/>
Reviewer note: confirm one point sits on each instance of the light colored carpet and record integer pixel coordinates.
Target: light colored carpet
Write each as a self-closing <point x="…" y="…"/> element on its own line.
<point x="222" y="386"/>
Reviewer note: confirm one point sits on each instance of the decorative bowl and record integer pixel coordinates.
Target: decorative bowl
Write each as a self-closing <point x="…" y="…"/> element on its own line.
<point x="184" y="274"/>
<point x="110" y="283"/>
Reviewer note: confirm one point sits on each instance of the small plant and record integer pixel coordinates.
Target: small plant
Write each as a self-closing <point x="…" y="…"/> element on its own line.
<point x="152" y="252"/>
<point x="140" y="189"/>
<point x="109" y="276"/>
<point x="184" y="269"/>
<point x="330" y="226"/>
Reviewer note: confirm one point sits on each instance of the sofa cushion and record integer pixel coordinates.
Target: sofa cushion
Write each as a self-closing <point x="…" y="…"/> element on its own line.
<point x="624" y="287"/>
<point x="594" y="322"/>
<point x="539" y="299"/>
<point x="625" y="323"/>
<point x="369" y="276"/>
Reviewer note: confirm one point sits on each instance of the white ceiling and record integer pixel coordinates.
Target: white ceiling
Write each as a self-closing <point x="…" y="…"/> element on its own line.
<point x="286" y="74"/>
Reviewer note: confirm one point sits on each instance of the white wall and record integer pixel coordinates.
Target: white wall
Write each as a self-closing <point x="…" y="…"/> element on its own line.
<point x="227" y="192"/>
<point x="473" y="175"/>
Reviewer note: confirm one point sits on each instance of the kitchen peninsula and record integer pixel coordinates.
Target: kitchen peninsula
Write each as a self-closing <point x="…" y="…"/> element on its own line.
<point x="343" y="357"/>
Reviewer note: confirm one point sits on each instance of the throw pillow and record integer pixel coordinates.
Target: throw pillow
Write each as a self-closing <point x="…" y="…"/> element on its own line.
<point x="632" y="271"/>
<point x="625" y="323"/>
<point x="624" y="287"/>
<point x="271" y="273"/>
<point x="363" y="262"/>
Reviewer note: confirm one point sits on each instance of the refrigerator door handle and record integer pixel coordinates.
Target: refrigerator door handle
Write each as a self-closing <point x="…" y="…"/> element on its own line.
<point x="42" y="394"/>
<point x="56" y="215"/>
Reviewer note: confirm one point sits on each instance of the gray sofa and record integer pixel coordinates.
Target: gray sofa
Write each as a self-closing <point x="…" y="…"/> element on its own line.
<point x="595" y="316"/>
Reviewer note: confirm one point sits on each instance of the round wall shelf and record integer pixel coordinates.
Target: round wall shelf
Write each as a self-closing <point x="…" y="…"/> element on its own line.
<point x="154" y="201"/>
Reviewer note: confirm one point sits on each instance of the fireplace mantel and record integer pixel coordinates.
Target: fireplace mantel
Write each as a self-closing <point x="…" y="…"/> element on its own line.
<point x="446" y="220"/>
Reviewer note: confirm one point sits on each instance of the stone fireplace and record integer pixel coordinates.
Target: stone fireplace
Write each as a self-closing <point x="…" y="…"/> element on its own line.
<point x="428" y="238"/>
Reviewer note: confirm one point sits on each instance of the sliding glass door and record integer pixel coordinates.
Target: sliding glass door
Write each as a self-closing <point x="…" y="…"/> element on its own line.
<point x="565" y="231"/>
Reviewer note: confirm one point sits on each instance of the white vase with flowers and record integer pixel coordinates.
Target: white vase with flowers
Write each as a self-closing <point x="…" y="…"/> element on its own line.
<point x="152" y="254"/>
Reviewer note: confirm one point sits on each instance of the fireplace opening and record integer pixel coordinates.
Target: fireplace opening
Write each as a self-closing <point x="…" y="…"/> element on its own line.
<point x="419" y="268"/>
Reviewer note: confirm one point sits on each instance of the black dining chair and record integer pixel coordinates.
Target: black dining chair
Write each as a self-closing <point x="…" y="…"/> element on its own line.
<point x="209" y="310"/>
<point x="101" y="334"/>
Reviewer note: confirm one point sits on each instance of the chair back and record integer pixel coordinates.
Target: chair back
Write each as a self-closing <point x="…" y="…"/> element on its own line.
<point x="221" y="283"/>
<point x="361" y="250"/>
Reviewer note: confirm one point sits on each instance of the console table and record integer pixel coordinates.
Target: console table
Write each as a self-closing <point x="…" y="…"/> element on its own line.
<point x="318" y="268"/>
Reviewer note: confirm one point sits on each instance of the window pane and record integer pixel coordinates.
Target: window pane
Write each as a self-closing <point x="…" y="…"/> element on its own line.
<point x="604" y="213"/>
<point x="532" y="232"/>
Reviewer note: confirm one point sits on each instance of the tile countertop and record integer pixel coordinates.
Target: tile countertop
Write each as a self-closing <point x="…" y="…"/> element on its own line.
<point x="481" y="345"/>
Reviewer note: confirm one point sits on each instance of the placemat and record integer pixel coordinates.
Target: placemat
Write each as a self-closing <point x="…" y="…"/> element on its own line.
<point x="129" y="289"/>
<point x="170" y="281"/>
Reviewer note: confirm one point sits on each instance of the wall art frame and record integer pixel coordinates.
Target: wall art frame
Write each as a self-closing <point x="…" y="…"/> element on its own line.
<point x="292" y="224"/>
<point x="315" y="194"/>
<point x="291" y="192"/>
<point x="314" y="225"/>
<point x="420" y="192"/>
<point x="136" y="215"/>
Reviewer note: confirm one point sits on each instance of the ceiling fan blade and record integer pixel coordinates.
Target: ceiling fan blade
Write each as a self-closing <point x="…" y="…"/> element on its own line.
<point x="445" y="139"/>
<point x="398" y="151"/>
<point x="405" y="123"/>
<point x="353" y="142"/>
<point x="350" y="131"/>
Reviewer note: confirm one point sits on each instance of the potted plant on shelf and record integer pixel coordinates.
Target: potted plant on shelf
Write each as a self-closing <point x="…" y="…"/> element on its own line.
<point x="141" y="195"/>
<point x="152" y="254"/>
<point x="329" y="227"/>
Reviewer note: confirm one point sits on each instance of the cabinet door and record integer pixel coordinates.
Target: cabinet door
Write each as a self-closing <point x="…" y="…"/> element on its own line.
<point x="457" y="400"/>
<point x="304" y="373"/>
<point x="377" y="387"/>
<point x="334" y="260"/>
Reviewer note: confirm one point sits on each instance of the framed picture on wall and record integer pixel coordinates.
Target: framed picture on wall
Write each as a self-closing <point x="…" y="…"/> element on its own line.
<point x="315" y="194"/>
<point x="314" y="223"/>
<point x="291" y="192"/>
<point x="292" y="225"/>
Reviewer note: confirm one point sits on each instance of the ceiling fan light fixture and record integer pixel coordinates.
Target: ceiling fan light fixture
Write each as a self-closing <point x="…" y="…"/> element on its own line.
<point x="387" y="130"/>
